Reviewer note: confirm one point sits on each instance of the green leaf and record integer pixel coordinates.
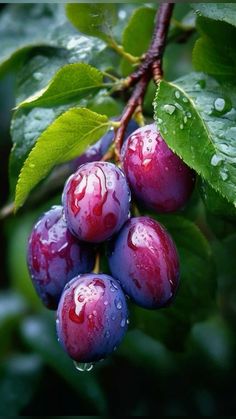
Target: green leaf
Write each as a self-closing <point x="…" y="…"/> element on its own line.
<point x="93" y="19"/>
<point x="195" y="298"/>
<point x="224" y="12"/>
<point x="137" y="34"/>
<point x="40" y="334"/>
<point x="67" y="137"/>
<point x="73" y="81"/>
<point x="27" y="125"/>
<point x="196" y="117"/>
<point x="209" y="58"/>
<point x="215" y="203"/>
<point x="214" y="52"/>
<point x="18" y="39"/>
<point x="45" y="25"/>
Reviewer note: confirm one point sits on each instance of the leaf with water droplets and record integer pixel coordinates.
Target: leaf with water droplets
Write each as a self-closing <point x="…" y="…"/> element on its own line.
<point x="93" y="19"/>
<point x="224" y="12"/>
<point x="72" y="81"/>
<point x="202" y="130"/>
<point x="67" y="137"/>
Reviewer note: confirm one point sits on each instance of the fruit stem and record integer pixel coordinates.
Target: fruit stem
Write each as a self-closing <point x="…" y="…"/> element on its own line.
<point x="96" y="268"/>
<point x="150" y="67"/>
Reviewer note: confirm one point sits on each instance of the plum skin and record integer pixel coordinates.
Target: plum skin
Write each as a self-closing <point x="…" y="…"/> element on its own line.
<point x="55" y="256"/>
<point x="158" y="178"/>
<point x="96" y="200"/>
<point x="92" y="317"/>
<point x="150" y="263"/>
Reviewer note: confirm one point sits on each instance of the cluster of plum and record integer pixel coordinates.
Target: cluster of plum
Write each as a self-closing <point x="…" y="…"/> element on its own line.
<point x="92" y="313"/>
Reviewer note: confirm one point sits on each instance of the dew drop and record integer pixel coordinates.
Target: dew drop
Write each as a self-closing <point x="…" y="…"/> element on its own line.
<point x="177" y="94"/>
<point x="114" y="285"/>
<point x="181" y="126"/>
<point x="219" y="104"/>
<point x="169" y="109"/>
<point x="106" y="303"/>
<point x="216" y="160"/>
<point x="185" y="100"/>
<point x="185" y="119"/>
<point x="178" y="106"/>
<point x="224" y="174"/>
<point x="32" y="165"/>
<point x="119" y="305"/>
<point x="189" y="115"/>
<point x="108" y="334"/>
<point x="38" y="76"/>
<point x="123" y="323"/>
<point x="83" y="367"/>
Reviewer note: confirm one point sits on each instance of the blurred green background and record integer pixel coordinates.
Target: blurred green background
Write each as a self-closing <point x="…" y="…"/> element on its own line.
<point x="167" y="364"/>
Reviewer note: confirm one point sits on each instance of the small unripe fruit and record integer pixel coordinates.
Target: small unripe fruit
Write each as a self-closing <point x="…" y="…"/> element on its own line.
<point x="92" y="317"/>
<point x="96" y="199"/>
<point x="144" y="259"/>
<point x="55" y="256"/>
<point x="159" y="179"/>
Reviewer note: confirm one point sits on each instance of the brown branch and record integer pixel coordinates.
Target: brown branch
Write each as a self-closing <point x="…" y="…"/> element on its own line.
<point x="157" y="46"/>
<point x="151" y="65"/>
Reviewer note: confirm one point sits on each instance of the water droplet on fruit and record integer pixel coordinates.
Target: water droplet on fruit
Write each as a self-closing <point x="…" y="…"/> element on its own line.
<point x="113" y="317"/>
<point x="108" y="334"/>
<point x="185" y="119"/>
<point x="119" y="305"/>
<point x="216" y="160"/>
<point x="83" y="367"/>
<point x="159" y="120"/>
<point x="189" y="115"/>
<point x="32" y="165"/>
<point x="105" y="303"/>
<point x="219" y="104"/>
<point x="181" y="126"/>
<point x="127" y="322"/>
<point x="169" y="109"/>
<point x="185" y="100"/>
<point x="114" y="285"/>
<point x="123" y="323"/>
<point x="177" y="94"/>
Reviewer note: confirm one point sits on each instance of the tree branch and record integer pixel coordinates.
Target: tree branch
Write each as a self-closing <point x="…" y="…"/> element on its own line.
<point x="151" y="66"/>
<point x="157" y="46"/>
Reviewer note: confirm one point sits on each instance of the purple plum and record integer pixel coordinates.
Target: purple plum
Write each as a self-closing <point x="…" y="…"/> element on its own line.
<point x="55" y="256"/>
<point x="144" y="259"/>
<point x="158" y="178"/>
<point x="92" y="317"/>
<point x="96" y="200"/>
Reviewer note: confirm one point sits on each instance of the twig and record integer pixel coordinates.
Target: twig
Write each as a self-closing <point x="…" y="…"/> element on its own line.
<point x="134" y="102"/>
<point x="152" y="65"/>
<point x="156" y="49"/>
